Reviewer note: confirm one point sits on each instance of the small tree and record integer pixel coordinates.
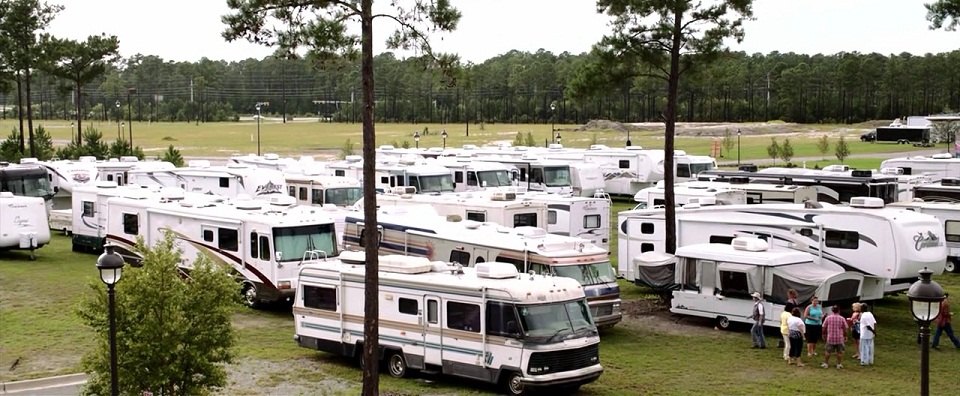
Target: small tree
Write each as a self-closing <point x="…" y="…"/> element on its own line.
<point x="841" y="150"/>
<point x="10" y="148"/>
<point x="529" y="142"/>
<point x="172" y="155"/>
<point x="786" y="151"/>
<point x="773" y="150"/>
<point x="405" y="144"/>
<point x="120" y="148"/>
<point x="518" y="140"/>
<point x="594" y="140"/>
<point x="727" y="141"/>
<point x="823" y="145"/>
<point x="346" y="149"/>
<point x="175" y="331"/>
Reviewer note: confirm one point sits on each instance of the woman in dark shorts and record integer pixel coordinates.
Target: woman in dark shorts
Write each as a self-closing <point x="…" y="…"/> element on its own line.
<point x="796" y="329"/>
<point x="813" y="319"/>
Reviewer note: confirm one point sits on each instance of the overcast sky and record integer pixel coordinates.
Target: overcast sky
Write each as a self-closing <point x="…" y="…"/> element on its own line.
<point x="187" y="30"/>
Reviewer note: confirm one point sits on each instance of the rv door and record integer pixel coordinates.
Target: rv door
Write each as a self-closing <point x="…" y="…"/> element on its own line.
<point x="432" y="331"/>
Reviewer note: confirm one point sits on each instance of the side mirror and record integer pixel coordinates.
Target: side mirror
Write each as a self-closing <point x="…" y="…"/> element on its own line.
<point x="278" y="256"/>
<point x="56" y="189"/>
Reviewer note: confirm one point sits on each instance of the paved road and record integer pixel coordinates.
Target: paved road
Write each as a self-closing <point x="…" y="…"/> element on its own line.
<point x="64" y="385"/>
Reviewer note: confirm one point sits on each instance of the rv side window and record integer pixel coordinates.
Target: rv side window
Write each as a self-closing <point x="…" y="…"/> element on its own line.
<point x="551" y="217"/>
<point x="384" y="180"/>
<point x="646" y="247"/>
<point x="536" y="175"/>
<point x="591" y="221"/>
<point x="525" y="219"/>
<point x="131" y="224"/>
<point x="317" y="196"/>
<point x="843" y="239"/>
<point x="224" y="182"/>
<point x="339" y="172"/>
<point x="459" y="256"/>
<point x="458" y="177"/>
<point x="690" y="274"/>
<point x="303" y="193"/>
<point x="726" y="240"/>
<point x="523" y="174"/>
<point x="432" y="313"/>
<point x="265" y="248"/>
<point x="462" y="316"/>
<point x="659" y="202"/>
<point x="324" y="298"/>
<point x="109" y="177"/>
<point x="624" y="164"/>
<point x="408" y="306"/>
<point x="734" y="284"/>
<point x="476" y="216"/>
<point x="228" y="239"/>
<point x="907" y="171"/>
<point x="254" y="248"/>
<point x="292" y="191"/>
<point x="472" y="179"/>
<point x="952" y="229"/>
<point x="88" y="209"/>
<point x="754" y="198"/>
<point x="646" y="228"/>
<point x="683" y="170"/>
<point x="208" y="235"/>
<point x="502" y="320"/>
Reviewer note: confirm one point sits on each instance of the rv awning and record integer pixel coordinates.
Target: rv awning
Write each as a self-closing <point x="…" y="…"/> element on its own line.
<point x="736" y="267"/>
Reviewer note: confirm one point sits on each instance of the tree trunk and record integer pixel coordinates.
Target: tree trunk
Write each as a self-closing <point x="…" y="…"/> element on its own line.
<point x="23" y="142"/>
<point x="33" y="147"/>
<point x="371" y="302"/>
<point x="673" y="82"/>
<point x="79" y="116"/>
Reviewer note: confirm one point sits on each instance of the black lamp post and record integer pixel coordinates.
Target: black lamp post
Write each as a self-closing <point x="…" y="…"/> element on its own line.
<point x="71" y="130"/>
<point x="258" y="129"/>
<point x="416" y="139"/>
<point x="110" y="265"/>
<point x="553" y="117"/>
<point x="925" y="296"/>
<point x="119" y="116"/>
<point x="738" y="147"/>
<point x="443" y="135"/>
<point x="130" y="115"/>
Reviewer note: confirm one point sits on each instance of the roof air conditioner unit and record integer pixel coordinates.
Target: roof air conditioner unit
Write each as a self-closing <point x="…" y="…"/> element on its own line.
<point x="703" y="201"/>
<point x="750" y="244"/>
<point x="282" y="200"/>
<point x="836" y="168"/>
<point x="353" y="257"/>
<point x="405" y="264"/>
<point x="495" y="270"/>
<point x="942" y="156"/>
<point x="402" y="190"/>
<point x="247" y="205"/>
<point x="503" y="196"/>
<point x="271" y="156"/>
<point x="866" y="202"/>
<point x="29" y="161"/>
<point x="891" y="171"/>
<point x="862" y="173"/>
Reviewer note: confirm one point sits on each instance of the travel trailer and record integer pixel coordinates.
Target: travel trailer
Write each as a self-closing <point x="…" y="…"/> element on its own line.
<point x="88" y="217"/>
<point x="832" y="187"/>
<point x="264" y="243"/>
<point x="687" y="193"/>
<point x="760" y="193"/>
<point x="936" y="166"/>
<point x="887" y="245"/>
<point x="716" y="281"/>
<point x="116" y="170"/>
<point x="26" y="180"/>
<point x="499" y="207"/>
<point x="946" y="190"/>
<point x="581" y="217"/>
<point x="227" y="181"/>
<point x="489" y="323"/>
<point x="949" y="215"/>
<point x="414" y="232"/>
<point x="625" y="170"/>
<point x="23" y="223"/>
<point x="319" y="190"/>
<point x="67" y="174"/>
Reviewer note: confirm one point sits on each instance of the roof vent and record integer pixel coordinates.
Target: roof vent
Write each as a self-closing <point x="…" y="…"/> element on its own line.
<point x="503" y="196"/>
<point x="495" y="270"/>
<point x="87" y="158"/>
<point x="750" y="244"/>
<point x="29" y="161"/>
<point x="247" y="205"/>
<point x="129" y="158"/>
<point x="599" y="147"/>
<point x="6" y="194"/>
<point x="353" y="158"/>
<point x="531" y="232"/>
<point x="555" y="146"/>
<point x="171" y="194"/>
<point x="866" y="202"/>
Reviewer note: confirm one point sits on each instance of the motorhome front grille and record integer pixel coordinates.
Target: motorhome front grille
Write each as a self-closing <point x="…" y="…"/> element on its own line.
<point x="601" y="310"/>
<point x="565" y="360"/>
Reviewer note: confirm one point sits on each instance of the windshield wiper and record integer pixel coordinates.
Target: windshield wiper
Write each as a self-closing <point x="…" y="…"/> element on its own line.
<point x="557" y="333"/>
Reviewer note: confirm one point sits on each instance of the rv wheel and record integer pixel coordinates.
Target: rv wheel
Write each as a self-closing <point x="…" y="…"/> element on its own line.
<point x="250" y="295"/>
<point x="513" y="384"/>
<point x="397" y="365"/>
<point x="950" y="266"/>
<point x="723" y="322"/>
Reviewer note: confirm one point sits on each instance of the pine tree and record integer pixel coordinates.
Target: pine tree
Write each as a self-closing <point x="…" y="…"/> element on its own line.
<point x="841" y="150"/>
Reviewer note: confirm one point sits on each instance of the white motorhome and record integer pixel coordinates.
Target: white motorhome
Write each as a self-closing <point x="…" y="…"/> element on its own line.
<point x="89" y="214"/>
<point x="117" y="170"/>
<point x="687" y="193"/>
<point x="936" y="166"/>
<point x="581" y="217"/>
<point x="426" y="177"/>
<point x="534" y="172"/>
<point x="888" y="245"/>
<point x="23" y="223"/>
<point x="760" y="193"/>
<point x="229" y="181"/>
<point x="265" y="244"/>
<point x="413" y="232"/>
<point x="949" y="215"/>
<point x="499" y="207"/>
<point x="625" y="170"/>
<point x="471" y="175"/>
<point x="833" y="186"/>
<point x="27" y="180"/>
<point x="716" y="280"/>
<point x="945" y="190"/>
<point x="319" y="190"/>
<point x="488" y="323"/>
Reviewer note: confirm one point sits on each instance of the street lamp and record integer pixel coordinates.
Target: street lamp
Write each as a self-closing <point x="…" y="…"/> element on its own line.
<point x="738" y="147"/>
<point x="130" y="115"/>
<point x="71" y="130"/>
<point x="119" y="136"/>
<point x="925" y="297"/>
<point x="416" y="139"/>
<point x="258" y="129"/>
<point x="443" y="135"/>
<point x="553" y="117"/>
<point x="110" y="265"/>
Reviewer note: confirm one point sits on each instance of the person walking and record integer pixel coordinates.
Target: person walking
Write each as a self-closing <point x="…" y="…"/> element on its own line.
<point x="835" y="331"/>
<point x="785" y="328"/>
<point x="868" y="332"/>
<point x="854" y="322"/>
<point x="796" y="328"/>
<point x="812" y="319"/>
<point x="943" y="324"/>
<point x="758" y="316"/>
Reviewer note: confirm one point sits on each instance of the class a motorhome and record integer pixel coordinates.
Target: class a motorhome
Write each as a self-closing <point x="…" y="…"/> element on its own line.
<point x="887" y="245"/>
<point x="23" y="223"/>
<point x="414" y="232"/>
<point x="264" y="244"/>
<point x="498" y="207"/>
<point x="409" y="171"/>
<point x="489" y="323"/>
<point x="948" y="213"/>
<point x="689" y="166"/>
<point x="936" y="166"/>
<point x="686" y="193"/>
<point x="625" y="170"/>
<point x="534" y="172"/>
<point x="472" y="175"/>
<point x="319" y="190"/>
<point x="229" y="181"/>
<point x="833" y="186"/>
<point x="27" y="179"/>
<point x="715" y="280"/>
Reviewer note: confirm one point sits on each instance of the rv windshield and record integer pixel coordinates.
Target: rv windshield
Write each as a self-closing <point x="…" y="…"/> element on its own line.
<point x="548" y="323"/>
<point x="28" y="182"/>
<point x="556" y="176"/>
<point x="696" y="168"/>
<point x="346" y="196"/>
<point x="293" y="242"/>
<point x="435" y="183"/>
<point x="587" y="274"/>
<point x="500" y="178"/>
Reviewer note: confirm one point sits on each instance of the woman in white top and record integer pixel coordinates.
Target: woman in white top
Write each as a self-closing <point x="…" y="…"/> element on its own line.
<point x="797" y="330"/>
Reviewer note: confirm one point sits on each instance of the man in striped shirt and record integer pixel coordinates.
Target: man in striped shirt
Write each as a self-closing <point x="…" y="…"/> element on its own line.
<point x="834" y="330"/>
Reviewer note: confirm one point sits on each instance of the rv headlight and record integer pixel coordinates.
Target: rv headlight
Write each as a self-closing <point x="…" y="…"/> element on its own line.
<point x="539" y="370"/>
<point x="283" y="285"/>
<point x="616" y="307"/>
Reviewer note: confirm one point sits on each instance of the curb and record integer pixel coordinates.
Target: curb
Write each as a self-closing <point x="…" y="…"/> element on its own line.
<point x="42" y="383"/>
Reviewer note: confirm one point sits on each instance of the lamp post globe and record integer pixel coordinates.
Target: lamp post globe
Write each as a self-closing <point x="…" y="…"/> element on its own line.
<point x="443" y="135"/>
<point x="925" y="296"/>
<point x="738" y="147"/>
<point x="110" y="265"/>
<point x="416" y="139"/>
<point x="119" y="115"/>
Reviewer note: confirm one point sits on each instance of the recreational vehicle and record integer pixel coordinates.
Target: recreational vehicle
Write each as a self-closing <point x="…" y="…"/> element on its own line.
<point x="88" y="217"/>
<point x="716" y="281"/>
<point x="26" y="180"/>
<point x="228" y="181"/>
<point x="946" y="190"/>
<point x="581" y="217"/>
<point x="425" y="177"/>
<point x="117" y="170"/>
<point x="412" y="232"/>
<point x="265" y="244"/>
<point x="625" y="170"/>
<point x="760" y="193"/>
<point x="499" y="207"/>
<point x="489" y="323"/>
<point x="686" y="193"/>
<point x="936" y="166"/>
<point x="832" y="187"/>
<point x="888" y="245"/>
<point x="535" y="173"/>
<point x="67" y="174"/>
<point x="23" y="223"/>
<point x="470" y="175"/>
<point x="319" y="190"/>
<point x="949" y="215"/>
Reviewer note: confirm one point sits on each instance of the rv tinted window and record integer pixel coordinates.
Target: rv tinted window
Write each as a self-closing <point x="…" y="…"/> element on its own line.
<point x="726" y="240"/>
<point x="907" y="171"/>
<point x="472" y="178"/>
<point x="208" y="235"/>
<point x="591" y="221"/>
<point x="303" y="193"/>
<point x="228" y="239"/>
<point x="317" y="196"/>
<point x="502" y="320"/>
<point x="109" y="177"/>
<point x="646" y="247"/>
<point x="536" y="175"/>
<point x="476" y="216"/>
<point x="683" y="170"/>
<point x="265" y="248"/>
<point x="254" y="248"/>
<point x="952" y="229"/>
<point x="432" y="313"/>
<point x="624" y="164"/>
<point x="384" y="180"/>
<point x="131" y="224"/>
<point x="408" y="306"/>
<point x="843" y="239"/>
<point x="458" y="177"/>
<point x="525" y="219"/>
<point x="551" y="217"/>
<point x="88" y="209"/>
<point x="646" y="228"/>
<point x="339" y="173"/>
<point x="224" y="182"/>
<point x="462" y="316"/>
<point x="458" y="256"/>
<point x="292" y="190"/>
<point x="734" y="284"/>
<point x="324" y="298"/>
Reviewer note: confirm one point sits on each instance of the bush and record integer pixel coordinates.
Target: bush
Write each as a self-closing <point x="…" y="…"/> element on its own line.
<point x="10" y="148"/>
<point x="172" y="155"/>
<point x="346" y="149"/>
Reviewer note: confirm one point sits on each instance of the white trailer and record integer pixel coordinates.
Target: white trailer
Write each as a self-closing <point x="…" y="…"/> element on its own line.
<point x="23" y="223"/>
<point x="426" y="177"/>
<point x="949" y="215"/>
<point x="490" y="323"/>
<point x="503" y="208"/>
<point x="416" y="233"/>
<point x="229" y="181"/>
<point x="263" y="244"/>
<point x="117" y="170"/>
<point x="67" y="174"/>
<point x="471" y="175"/>
<point x="887" y="245"/>
<point x="716" y="280"/>
<point x="581" y="217"/>
<point x="319" y="190"/>
<point x="936" y="166"/>
<point x="88" y="215"/>
<point x="686" y="193"/>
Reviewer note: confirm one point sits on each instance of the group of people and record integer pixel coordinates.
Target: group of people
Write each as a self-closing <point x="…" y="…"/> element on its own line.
<point x="811" y="324"/>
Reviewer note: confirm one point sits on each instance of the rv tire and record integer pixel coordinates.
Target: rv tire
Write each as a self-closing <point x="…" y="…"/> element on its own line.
<point x="513" y="383"/>
<point x="250" y="297"/>
<point x="723" y="322"/>
<point x="397" y="365"/>
<point x="951" y="265"/>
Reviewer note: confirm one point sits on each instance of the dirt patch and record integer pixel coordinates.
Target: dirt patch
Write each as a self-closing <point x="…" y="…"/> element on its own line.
<point x="720" y="129"/>
<point x="265" y="377"/>
<point x="654" y="316"/>
<point x="607" y="125"/>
